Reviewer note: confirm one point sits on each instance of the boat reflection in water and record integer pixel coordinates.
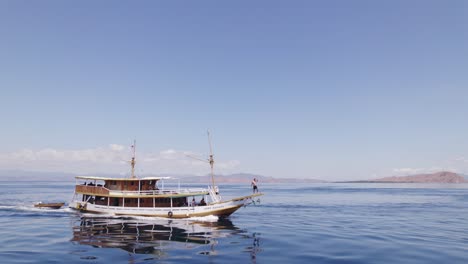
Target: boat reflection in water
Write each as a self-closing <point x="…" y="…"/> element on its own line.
<point x="159" y="237"/>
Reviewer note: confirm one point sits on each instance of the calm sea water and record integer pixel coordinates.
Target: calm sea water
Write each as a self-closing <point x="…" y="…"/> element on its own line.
<point x="315" y="223"/>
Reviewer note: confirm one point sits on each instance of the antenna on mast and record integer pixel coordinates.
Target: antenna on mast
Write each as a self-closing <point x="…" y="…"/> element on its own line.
<point x="133" y="161"/>
<point x="211" y="159"/>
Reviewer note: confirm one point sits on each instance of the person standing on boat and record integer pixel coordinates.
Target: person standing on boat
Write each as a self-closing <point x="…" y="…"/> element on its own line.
<point x="254" y="185"/>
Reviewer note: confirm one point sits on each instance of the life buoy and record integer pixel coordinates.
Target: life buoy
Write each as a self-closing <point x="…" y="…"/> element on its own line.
<point x="169" y="214"/>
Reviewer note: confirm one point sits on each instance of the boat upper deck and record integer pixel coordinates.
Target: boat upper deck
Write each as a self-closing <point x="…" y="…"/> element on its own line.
<point x="133" y="187"/>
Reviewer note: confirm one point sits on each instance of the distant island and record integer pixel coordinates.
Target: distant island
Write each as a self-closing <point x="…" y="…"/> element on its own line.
<point x="438" y="177"/>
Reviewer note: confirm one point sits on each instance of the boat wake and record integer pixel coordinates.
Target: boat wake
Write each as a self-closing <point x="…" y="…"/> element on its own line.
<point x="27" y="209"/>
<point x="31" y="211"/>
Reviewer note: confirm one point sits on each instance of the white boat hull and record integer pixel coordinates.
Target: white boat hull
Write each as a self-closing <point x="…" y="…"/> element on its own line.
<point x="218" y="209"/>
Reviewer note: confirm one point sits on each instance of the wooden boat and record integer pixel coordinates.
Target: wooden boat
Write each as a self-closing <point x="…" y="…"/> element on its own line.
<point x="148" y="196"/>
<point x="49" y="205"/>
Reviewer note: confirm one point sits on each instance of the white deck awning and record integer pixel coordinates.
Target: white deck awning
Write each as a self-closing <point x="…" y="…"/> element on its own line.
<point x="120" y="179"/>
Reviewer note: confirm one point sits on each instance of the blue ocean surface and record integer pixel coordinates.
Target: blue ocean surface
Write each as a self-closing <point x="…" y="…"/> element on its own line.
<point x="294" y="223"/>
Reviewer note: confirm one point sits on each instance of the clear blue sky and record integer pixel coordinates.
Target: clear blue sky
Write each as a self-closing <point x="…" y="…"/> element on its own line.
<point x="333" y="90"/>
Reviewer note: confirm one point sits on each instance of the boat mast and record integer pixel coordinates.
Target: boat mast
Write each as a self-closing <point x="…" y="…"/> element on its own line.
<point x="211" y="159"/>
<point x="133" y="162"/>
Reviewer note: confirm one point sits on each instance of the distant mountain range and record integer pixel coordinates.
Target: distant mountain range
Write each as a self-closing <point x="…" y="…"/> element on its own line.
<point x="438" y="177"/>
<point x="19" y="175"/>
<point x="243" y="178"/>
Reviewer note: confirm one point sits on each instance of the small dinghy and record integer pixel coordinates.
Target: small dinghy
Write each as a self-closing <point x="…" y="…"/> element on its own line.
<point x="49" y="205"/>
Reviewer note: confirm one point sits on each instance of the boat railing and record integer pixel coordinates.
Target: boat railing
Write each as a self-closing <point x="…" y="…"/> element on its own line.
<point x="100" y="190"/>
<point x="159" y="192"/>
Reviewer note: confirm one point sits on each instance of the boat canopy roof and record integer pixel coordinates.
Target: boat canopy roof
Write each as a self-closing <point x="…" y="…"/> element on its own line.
<point x="120" y="179"/>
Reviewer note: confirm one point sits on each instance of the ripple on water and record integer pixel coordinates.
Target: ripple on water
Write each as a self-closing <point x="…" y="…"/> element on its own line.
<point x="291" y="224"/>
